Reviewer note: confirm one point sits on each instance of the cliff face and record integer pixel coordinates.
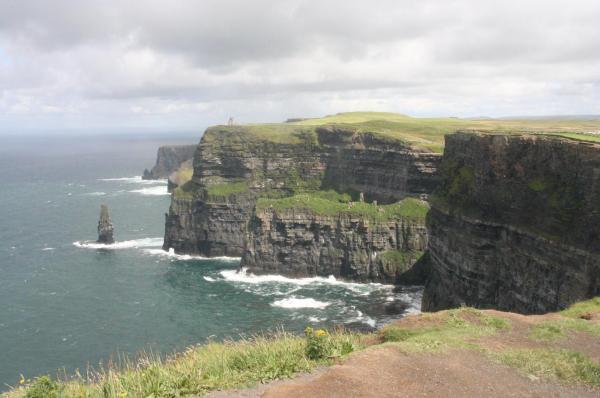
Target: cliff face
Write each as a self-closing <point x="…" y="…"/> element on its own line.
<point x="168" y="160"/>
<point x="515" y="224"/>
<point x="300" y="243"/>
<point x="234" y="166"/>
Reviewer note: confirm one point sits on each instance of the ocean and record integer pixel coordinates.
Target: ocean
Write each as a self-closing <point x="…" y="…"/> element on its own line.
<point x="68" y="304"/>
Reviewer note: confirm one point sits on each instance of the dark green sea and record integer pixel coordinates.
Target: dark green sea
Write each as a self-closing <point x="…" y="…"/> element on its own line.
<point x="66" y="304"/>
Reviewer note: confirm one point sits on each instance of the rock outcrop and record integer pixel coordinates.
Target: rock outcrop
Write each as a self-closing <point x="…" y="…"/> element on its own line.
<point x="168" y="160"/>
<point x="105" y="227"/>
<point x="299" y="243"/>
<point x="235" y="165"/>
<point x="515" y="224"/>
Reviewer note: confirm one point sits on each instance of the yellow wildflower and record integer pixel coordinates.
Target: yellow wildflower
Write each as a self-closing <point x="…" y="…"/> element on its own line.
<point x="123" y="394"/>
<point x="320" y="333"/>
<point x="22" y="380"/>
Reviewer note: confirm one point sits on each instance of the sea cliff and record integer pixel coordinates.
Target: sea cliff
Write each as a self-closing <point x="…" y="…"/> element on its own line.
<point x="236" y="166"/>
<point x="515" y="224"/>
<point x="169" y="159"/>
<point x="293" y="239"/>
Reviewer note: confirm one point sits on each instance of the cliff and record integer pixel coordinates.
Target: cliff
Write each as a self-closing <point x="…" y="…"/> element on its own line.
<point x="515" y="224"/>
<point x="235" y="166"/>
<point x="168" y="160"/>
<point x="350" y="243"/>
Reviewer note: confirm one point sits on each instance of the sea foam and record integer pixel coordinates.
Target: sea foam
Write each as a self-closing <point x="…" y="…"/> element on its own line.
<point x="152" y="191"/>
<point x="171" y="254"/>
<point x="294" y="302"/>
<point x="245" y="277"/>
<point x="126" y="244"/>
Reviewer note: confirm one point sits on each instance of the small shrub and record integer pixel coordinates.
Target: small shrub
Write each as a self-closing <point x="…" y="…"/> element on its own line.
<point x="43" y="387"/>
<point x="318" y="344"/>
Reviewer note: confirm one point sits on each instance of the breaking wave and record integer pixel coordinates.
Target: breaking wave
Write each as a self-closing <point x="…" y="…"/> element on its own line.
<point x="152" y="191"/>
<point x="126" y="244"/>
<point x="135" y="180"/>
<point x="183" y="257"/>
<point x="294" y="302"/>
<point x="245" y="277"/>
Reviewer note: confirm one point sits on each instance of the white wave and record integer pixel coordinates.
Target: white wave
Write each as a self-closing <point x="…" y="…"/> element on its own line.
<point x="316" y="319"/>
<point x="152" y="191"/>
<point x="414" y="300"/>
<point x="47" y="249"/>
<point x="126" y="244"/>
<point x="294" y="302"/>
<point x="360" y="317"/>
<point x="171" y="254"/>
<point x="245" y="277"/>
<point x="95" y="194"/>
<point x="209" y="279"/>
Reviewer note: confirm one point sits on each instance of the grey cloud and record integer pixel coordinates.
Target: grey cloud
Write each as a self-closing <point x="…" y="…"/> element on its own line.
<point x="459" y="56"/>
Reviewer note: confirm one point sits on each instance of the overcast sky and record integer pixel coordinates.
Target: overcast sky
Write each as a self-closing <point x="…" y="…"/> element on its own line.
<point x="182" y="65"/>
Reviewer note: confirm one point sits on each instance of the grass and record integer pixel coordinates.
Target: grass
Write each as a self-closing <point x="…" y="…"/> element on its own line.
<point x="327" y="204"/>
<point x="424" y="133"/>
<point x="557" y="329"/>
<point x="582" y="308"/>
<point x="227" y="188"/>
<point x="448" y="329"/>
<point x="200" y="369"/>
<point x="565" y="365"/>
<point x="238" y="364"/>
<point x="185" y="191"/>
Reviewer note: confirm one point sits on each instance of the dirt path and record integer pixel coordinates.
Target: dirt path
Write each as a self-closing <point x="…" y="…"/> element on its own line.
<point x="384" y="370"/>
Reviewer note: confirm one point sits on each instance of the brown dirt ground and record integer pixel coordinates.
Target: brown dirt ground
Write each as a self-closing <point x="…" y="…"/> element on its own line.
<point x="384" y="370"/>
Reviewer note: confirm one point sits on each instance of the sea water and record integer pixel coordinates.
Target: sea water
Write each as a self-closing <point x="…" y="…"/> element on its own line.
<point x="67" y="303"/>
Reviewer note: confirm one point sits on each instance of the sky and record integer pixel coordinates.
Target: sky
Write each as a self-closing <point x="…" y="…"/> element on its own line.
<point x="112" y="65"/>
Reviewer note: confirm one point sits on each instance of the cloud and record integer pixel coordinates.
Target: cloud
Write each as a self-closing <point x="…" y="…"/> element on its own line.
<point x="188" y="63"/>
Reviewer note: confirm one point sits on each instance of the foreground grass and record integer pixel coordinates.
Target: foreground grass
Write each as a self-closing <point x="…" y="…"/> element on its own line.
<point x="213" y="366"/>
<point x="228" y="365"/>
<point x="449" y="329"/>
<point x="564" y="365"/>
<point x="583" y="308"/>
<point x="326" y="204"/>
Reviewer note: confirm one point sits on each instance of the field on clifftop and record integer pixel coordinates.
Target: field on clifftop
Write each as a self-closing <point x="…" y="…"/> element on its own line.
<point x="428" y="133"/>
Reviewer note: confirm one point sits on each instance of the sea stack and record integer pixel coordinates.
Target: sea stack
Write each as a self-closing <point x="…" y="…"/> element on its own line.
<point x="105" y="227"/>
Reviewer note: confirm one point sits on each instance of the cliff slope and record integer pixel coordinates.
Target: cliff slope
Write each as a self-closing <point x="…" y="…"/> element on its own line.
<point x="515" y="224"/>
<point x="169" y="159"/>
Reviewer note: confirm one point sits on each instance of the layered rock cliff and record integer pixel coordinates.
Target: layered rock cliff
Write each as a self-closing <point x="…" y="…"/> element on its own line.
<point x="234" y="166"/>
<point x="515" y="224"/>
<point x="168" y="160"/>
<point x="298" y="242"/>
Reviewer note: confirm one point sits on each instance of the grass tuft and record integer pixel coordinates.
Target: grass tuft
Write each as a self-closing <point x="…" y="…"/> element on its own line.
<point x="565" y="365"/>
<point x="583" y="308"/>
<point x="448" y="329"/>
